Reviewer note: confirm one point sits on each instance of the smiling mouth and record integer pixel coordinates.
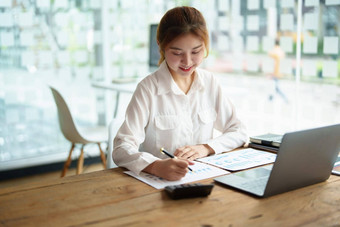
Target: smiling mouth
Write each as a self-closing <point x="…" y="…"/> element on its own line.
<point x="186" y="69"/>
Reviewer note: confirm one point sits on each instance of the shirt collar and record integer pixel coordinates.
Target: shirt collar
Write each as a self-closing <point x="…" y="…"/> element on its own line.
<point x="198" y="84"/>
<point x="165" y="79"/>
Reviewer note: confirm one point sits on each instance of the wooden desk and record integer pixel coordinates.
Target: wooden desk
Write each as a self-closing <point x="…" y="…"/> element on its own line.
<point x="111" y="198"/>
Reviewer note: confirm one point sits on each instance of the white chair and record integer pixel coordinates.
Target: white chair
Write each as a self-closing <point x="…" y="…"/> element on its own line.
<point x="95" y="135"/>
<point x="113" y="128"/>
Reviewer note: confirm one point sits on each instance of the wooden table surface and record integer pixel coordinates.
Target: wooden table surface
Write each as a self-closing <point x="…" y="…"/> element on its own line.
<point x="112" y="198"/>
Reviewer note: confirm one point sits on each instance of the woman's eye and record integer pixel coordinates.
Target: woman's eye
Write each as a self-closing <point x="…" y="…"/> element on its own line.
<point x="176" y="53"/>
<point x="196" y="52"/>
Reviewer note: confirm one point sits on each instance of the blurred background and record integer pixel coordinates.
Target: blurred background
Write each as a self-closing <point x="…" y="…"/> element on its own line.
<point x="73" y="44"/>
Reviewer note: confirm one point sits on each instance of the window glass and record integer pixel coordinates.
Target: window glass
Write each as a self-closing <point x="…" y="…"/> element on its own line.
<point x="278" y="62"/>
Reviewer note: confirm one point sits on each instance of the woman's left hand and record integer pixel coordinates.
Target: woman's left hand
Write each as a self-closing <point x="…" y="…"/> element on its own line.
<point x="194" y="151"/>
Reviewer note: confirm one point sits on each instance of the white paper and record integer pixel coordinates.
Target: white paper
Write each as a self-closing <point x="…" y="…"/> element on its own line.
<point x="287" y="22"/>
<point x="331" y="45"/>
<point x="310" y="45"/>
<point x="240" y="159"/>
<point x="200" y="171"/>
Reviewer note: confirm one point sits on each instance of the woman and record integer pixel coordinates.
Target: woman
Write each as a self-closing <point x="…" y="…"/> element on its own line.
<point x="178" y="106"/>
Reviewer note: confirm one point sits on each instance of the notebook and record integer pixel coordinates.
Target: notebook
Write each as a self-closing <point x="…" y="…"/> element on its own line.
<point x="304" y="158"/>
<point x="268" y="142"/>
<point x="268" y="139"/>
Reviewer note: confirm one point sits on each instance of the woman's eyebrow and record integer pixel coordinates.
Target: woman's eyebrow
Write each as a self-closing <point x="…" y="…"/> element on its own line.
<point x="198" y="46"/>
<point x="176" y="48"/>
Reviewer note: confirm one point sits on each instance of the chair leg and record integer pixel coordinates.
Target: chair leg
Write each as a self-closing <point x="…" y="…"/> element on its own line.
<point x="102" y="156"/>
<point x="68" y="161"/>
<point x="80" y="161"/>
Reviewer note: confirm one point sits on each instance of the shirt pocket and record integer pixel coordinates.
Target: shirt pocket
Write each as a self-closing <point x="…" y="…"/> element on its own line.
<point x="207" y="116"/>
<point x="167" y="131"/>
<point x="206" y="127"/>
<point x="166" y="122"/>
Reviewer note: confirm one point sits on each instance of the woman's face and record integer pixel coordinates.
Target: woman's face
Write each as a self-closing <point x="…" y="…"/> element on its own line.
<point x="184" y="54"/>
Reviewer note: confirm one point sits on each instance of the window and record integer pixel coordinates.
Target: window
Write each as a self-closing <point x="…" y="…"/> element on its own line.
<point x="73" y="43"/>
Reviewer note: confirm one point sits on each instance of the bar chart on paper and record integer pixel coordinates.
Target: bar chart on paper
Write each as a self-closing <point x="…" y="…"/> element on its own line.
<point x="240" y="159"/>
<point x="200" y="171"/>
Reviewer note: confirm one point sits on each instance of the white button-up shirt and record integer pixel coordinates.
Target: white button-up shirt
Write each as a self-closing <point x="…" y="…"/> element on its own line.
<point x="160" y="114"/>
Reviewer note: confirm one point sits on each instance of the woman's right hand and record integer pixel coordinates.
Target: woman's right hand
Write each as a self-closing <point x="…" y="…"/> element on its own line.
<point x="170" y="169"/>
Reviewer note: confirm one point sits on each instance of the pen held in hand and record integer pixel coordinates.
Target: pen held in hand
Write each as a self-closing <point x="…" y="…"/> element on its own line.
<point x="162" y="150"/>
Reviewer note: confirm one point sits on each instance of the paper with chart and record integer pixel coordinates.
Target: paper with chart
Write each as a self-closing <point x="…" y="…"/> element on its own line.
<point x="200" y="171"/>
<point x="240" y="159"/>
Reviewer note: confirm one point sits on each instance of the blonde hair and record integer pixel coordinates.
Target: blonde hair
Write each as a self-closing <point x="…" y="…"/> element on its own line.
<point x="180" y="21"/>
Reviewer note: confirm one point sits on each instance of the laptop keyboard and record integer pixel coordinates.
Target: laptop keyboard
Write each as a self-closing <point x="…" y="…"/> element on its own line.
<point x="258" y="184"/>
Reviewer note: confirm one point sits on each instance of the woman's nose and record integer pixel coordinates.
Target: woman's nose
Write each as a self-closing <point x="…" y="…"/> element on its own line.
<point x="186" y="59"/>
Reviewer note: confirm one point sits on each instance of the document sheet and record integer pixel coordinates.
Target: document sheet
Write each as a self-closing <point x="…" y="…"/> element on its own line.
<point x="240" y="159"/>
<point x="200" y="171"/>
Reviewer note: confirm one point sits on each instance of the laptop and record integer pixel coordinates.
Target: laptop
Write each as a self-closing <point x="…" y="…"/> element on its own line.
<point x="304" y="158"/>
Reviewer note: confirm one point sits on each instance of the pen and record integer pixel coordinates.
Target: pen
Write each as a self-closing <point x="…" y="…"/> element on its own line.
<point x="162" y="150"/>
